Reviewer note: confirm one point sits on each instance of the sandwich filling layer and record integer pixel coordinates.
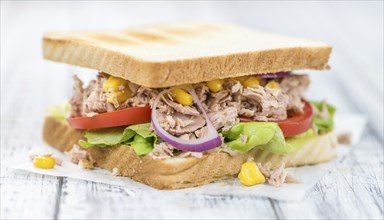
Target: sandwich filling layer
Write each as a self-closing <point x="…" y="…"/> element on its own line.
<point x="247" y="112"/>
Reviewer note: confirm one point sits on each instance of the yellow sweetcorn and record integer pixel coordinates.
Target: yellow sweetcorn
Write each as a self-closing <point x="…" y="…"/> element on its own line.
<point x="112" y="84"/>
<point x="241" y="79"/>
<point x="123" y="95"/>
<point x="251" y="81"/>
<point x="119" y="96"/>
<point x="215" y="85"/>
<point x="250" y="174"/>
<point x="273" y="84"/>
<point x="181" y="96"/>
<point x="44" y="162"/>
<point x="112" y="98"/>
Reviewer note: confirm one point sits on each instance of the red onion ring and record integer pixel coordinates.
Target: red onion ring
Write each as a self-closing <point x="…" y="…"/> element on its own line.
<point x="207" y="142"/>
<point x="273" y="75"/>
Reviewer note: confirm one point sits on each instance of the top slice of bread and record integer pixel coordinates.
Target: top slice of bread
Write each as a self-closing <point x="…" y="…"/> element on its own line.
<point x="176" y="54"/>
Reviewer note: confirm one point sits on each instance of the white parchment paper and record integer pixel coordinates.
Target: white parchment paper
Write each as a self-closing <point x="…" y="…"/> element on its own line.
<point x="308" y="175"/>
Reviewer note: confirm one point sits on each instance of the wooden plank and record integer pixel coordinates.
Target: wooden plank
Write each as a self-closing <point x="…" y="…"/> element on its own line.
<point x="26" y="195"/>
<point x="24" y="99"/>
<point x="23" y="195"/>
<point x="352" y="189"/>
<point x="84" y="199"/>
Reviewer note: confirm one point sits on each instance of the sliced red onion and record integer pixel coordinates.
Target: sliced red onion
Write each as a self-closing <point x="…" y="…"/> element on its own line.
<point x="207" y="142"/>
<point x="274" y="75"/>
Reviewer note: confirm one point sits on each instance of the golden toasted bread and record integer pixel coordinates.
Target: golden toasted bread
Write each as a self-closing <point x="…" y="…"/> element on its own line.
<point x="170" y="55"/>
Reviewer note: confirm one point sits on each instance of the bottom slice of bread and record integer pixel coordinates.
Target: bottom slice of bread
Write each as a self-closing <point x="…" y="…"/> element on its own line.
<point x="178" y="172"/>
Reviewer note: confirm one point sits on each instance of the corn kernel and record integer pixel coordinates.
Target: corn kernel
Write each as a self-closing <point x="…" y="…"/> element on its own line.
<point x="215" y="85"/>
<point x="181" y="96"/>
<point x="119" y="96"/>
<point x="123" y="95"/>
<point x="250" y="174"/>
<point x="252" y="81"/>
<point x="273" y="84"/>
<point x="44" y="162"/>
<point x="112" y="84"/>
<point x="112" y="98"/>
<point x="241" y="79"/>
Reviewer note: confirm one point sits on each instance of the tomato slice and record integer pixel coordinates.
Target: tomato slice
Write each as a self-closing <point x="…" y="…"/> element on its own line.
<point x="294" y="125"/>
<point x="128" y="116"/>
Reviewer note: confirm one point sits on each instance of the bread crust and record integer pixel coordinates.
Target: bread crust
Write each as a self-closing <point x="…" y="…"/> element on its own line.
<point x="166" y="55"/>
<point x="178" y="173"/>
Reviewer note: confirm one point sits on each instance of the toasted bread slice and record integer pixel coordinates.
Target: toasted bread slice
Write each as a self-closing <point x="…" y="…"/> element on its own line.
<point x="176" y="172"/>
<point x="169" y="55"/>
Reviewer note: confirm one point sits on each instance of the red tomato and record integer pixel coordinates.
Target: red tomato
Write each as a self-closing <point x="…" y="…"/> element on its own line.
<point x="294" y="125"/>
<point x="128" y="116"/>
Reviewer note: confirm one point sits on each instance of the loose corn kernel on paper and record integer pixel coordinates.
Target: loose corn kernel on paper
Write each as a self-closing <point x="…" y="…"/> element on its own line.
<point x="307" y="175"/>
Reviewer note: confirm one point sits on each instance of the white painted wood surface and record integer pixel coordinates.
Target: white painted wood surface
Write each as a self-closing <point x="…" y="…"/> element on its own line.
<point x="352" y="189"/>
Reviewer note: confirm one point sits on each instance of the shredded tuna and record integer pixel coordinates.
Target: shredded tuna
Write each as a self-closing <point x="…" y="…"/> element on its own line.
<point x="344" y="138"/>
<point x="295" y="86"/>
<point x="201" y="132"/>
<point x="93" y="100"/>
<point x="178" y="119"/>
<point x="81" y="157"/>
<point x="264" y="104"/>
<point x="230" y="96"/>
<point x="324" y="113"/>
<point x="86" y="163"/>
<point x="161" y="151"/>
<point x="224" y="148"/>
<point x="243" y="138"/>
<point x="191" y="154"/>
<point x="77" y="98"/>
<point x="202" y="92"/>
<point x="224" y="119"/>
<point x="222" y="107"/>
<point x="216" y="99"/>
<point x="178" y="124"/>
<point x="277" y="176"/>
<point x="141" y="96"/>
<point x="58" y="161"/>
<point x="115" y="171"/>
<point x="186" y="110"/>
<point x="109" y="107"/>
<point x="76" y="154"/>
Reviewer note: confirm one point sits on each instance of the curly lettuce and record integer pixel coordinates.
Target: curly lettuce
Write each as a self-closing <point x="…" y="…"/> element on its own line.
<point x="323" y="117"/>
<point x="60" y="111"/>
<point x="268" y="136"/>
<point x="139" y="137"/>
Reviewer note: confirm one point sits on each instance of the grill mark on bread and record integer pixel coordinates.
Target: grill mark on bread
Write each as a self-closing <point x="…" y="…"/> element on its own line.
<point x="148" y="37"/>
<point x="53" y="50"/>
<point x="188" y="31"/>
<point x="179" y="31"/>
<point x="218" y="51"/>
<point x="112" y="39"/>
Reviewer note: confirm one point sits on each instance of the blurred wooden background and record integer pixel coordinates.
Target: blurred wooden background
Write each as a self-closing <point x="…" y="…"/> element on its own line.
<point x="29" y="84"/>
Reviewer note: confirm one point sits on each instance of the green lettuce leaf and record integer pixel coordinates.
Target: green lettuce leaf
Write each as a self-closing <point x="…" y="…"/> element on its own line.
<point x="109" y="136"/>
<point x="324" y="125"/>
<point x="142" y="145"/>
<point x="60" y="111"/>
<point x="292" y="144"/>
<point x="245" y="136"/>
<point x="139" y="137"/>
<point x="268" y="136"/>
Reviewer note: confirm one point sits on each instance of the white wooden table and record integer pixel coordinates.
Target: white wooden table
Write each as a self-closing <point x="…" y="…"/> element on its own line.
<point x="353" y="188"/>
